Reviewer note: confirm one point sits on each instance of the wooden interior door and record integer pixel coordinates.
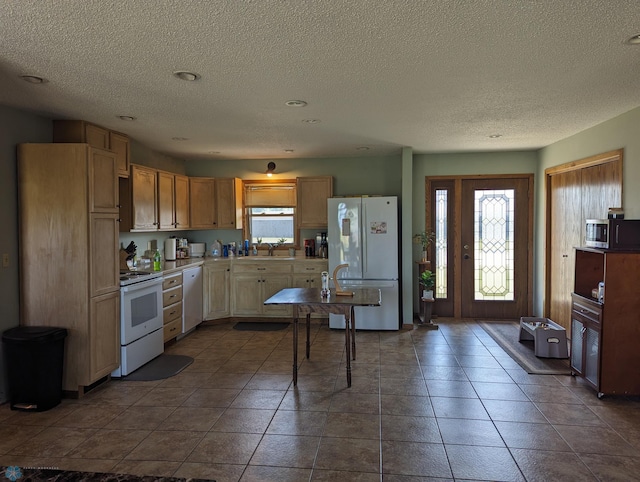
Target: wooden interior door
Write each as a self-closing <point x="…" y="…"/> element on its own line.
<point x="494" y="248"/>
<point x="565" y="226"/>
<point x="576" y="191"/>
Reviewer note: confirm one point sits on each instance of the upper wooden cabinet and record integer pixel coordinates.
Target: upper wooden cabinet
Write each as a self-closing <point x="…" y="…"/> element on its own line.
<point x="95" y="136"/>
<point x="173" y="201"/>
<point x="144" y="198"/>
<point x="312" y="193"/>
<point x="229" y="203"/>
<point x="202" y="203"/>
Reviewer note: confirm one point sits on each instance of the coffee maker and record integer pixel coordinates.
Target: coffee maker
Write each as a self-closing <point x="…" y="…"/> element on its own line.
<point x="309" y="248"/>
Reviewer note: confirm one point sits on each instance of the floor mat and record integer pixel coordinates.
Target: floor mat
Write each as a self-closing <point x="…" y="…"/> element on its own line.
<point x="163" y="366"/>
<point x="260" y="326"/>
<point x="54" y="475"/>
<point x="506" y="333"/>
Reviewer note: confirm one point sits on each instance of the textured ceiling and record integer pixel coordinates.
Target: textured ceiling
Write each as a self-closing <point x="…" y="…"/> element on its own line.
<point x="438" y="76"/>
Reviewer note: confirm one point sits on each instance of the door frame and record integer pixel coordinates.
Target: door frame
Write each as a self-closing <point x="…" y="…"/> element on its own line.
<point x="456" y="225"/>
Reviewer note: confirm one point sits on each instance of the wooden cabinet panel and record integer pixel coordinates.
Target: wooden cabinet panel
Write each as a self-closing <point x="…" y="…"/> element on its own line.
<point x="202" y="202"/>
<point x="103" y="182"/>
<point x="97" y="136"/>
<point x="229" y="203"/>
<point x="104" y="263"/>
<point x="172" y="329"/>
<point x="270" y="286"/>
<point x="181" y="202"/>
<point x="119" y="145"/>
<point x="144" y="198"/>
<point x="166" y="197"/>
<point x="216" y="290"/>
<point x="104" y="336"/>
<point x="312" y="194"/>
<point x="172" y="312"/>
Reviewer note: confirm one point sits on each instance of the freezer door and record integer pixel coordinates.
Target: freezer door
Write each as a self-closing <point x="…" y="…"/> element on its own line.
<point x="383" y="317"/>
<point x="345" y="245"/>
<point x="380" y="238"/>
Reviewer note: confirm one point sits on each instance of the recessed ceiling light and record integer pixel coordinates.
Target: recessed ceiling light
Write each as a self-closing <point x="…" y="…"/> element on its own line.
<point x="186" y="75"/>
<point x="180" y="138"/>
<point x="214" y="152"/>
<point x="34" y="79"/>
<point x="295" y="103"/>
<point x="128" y="118"/>
<point x="311" y="121"/>
<point x="495" y="136"/>
<point x="635" y="40"/>
<point x="362" y="148"/>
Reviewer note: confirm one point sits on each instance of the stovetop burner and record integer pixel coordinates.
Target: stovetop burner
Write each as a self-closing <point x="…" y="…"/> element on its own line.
<point x="130" y="277"/>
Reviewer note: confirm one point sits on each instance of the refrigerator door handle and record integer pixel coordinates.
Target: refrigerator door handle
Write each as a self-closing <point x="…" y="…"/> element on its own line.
<point x="363" y="237"/>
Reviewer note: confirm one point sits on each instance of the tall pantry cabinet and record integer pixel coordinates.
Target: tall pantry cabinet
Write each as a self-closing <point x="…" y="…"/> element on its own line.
<point x="69" y="269"/>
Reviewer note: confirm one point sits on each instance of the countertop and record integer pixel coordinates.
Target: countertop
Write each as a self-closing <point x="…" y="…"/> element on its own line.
<point x="169" y="267"/>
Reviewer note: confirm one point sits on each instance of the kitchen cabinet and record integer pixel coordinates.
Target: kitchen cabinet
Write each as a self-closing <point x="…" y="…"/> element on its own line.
<point x="228" y="193"/>
<point x="202" y="203"/>
<point x="172" y="305"/>
<point x="604" y="334"/>
<point x="216" y="289"/>
<point x="69" y="246"/>
<point x="254" y="282"/>
<point x="312" y="194"/>
<point x="81" y="131"/>
<point x="144" y="199"/>
<point x="173" y="201"/>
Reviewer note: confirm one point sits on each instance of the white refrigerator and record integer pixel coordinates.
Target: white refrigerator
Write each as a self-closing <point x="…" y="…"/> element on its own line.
<point x="363" y="232"/>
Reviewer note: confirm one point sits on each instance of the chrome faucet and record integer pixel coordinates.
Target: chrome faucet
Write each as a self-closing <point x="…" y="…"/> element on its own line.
<point x="271" y="246"/>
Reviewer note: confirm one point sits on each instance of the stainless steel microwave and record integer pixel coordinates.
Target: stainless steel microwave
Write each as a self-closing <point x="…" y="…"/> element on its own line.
<point x="621" y="234"/>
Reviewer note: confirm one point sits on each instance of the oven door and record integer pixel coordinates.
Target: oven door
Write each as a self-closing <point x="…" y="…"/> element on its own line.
<point x="141" y="309"/>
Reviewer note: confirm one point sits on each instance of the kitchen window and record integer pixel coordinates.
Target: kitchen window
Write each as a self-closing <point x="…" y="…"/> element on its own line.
<point x="270" y="211"/>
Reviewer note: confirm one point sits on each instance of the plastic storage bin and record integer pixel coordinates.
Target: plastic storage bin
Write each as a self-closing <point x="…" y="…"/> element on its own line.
<point x="34" y="358"/>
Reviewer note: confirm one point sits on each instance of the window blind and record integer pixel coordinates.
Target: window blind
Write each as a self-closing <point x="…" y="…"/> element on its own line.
<point x="270" y="195"/>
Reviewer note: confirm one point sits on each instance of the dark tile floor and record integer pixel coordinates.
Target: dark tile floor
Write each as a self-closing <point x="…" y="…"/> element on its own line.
<point x="424" y="405"/>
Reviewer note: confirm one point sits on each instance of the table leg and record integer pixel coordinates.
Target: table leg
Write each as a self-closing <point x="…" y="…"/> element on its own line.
<point x="347" y="342"/>
<point x="295" y="345"/>
<point x="353" y="333"/>
<point x="308" y="334"/>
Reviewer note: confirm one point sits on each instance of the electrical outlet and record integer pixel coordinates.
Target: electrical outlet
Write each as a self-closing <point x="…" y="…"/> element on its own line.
<point x="5" y="260"/>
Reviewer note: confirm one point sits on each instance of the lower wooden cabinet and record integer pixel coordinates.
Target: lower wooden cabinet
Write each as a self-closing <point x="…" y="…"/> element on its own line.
<point x="253" y="282"/>
<point x="585" y="339"/>
<point x="104" y="336"/>
<point x="216" y="290"/>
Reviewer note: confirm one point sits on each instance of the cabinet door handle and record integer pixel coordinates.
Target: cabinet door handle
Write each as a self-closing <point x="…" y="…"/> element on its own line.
<point x="172" y="296"/>
<point x="261" y="269"/>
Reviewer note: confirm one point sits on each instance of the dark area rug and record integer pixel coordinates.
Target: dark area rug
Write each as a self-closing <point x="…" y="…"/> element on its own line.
<point x="29" y="474"/>
<point x="163" y="366"/>
<point x="260" y="326"/>
<point x="506" y="333"/>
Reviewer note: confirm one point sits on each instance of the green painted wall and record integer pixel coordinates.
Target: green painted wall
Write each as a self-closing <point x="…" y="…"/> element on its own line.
<point x="16" y="127"/>
<point x="351" y="176"/>
<point x="620" y="132"/>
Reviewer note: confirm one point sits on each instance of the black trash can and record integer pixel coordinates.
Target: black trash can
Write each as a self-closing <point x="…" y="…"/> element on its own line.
<point x="34" y="357"/>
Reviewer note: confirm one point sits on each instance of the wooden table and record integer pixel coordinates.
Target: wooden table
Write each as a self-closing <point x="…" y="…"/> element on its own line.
<point x="309" y="300"/>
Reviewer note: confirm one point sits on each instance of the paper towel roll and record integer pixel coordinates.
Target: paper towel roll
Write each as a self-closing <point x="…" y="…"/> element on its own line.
<point x="170" y="249"/>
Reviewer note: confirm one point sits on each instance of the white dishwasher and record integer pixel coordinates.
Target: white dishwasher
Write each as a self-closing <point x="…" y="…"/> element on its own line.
<point x="191" y="298"/>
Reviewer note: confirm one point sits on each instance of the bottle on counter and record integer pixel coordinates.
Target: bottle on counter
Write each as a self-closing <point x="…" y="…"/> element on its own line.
<point x="246" y="247"/>
<point x="157" y="261"/>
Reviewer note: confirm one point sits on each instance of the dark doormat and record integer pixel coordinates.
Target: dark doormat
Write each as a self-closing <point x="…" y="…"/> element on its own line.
<point x="506" y="333"/>
<point x="163" y="366"/>
<point x="260" y="326"/>
<point x="54" y="475"/>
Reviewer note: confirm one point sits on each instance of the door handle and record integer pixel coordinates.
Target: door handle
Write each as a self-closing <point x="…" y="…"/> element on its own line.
<point x="466" y="246"/>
